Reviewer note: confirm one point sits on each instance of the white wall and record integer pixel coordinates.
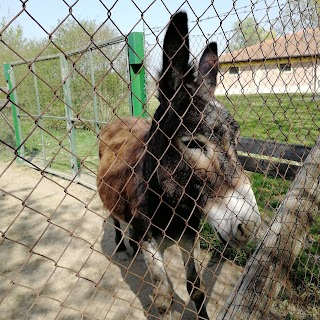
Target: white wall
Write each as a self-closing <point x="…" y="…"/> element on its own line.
<point x="267" y="78"/>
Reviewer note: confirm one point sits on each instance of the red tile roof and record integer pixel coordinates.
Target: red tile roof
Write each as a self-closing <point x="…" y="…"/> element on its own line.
<point x="304" y="43"/>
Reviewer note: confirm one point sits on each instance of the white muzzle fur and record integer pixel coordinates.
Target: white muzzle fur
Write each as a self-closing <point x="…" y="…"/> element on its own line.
<point x="235" y="216"/>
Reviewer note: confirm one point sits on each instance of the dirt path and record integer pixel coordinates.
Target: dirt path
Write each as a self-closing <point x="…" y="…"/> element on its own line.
<point x="57" y="257"/>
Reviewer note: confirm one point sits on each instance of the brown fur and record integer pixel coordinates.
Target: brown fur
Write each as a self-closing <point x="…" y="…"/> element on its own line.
<point x="121" y="150"/>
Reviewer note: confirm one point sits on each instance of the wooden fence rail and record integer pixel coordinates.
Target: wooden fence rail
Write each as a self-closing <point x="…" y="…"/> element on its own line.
<point x="271" y="158"/>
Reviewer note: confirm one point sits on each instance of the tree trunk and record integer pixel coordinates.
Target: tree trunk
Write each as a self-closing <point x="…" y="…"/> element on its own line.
<point x="270" y="264"/>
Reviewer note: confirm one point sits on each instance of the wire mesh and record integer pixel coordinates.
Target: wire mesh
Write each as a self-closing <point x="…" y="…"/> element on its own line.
<point x="63" y="255"/>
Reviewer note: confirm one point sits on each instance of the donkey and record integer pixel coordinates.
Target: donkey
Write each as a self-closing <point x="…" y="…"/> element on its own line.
<point x="165" y="176"/>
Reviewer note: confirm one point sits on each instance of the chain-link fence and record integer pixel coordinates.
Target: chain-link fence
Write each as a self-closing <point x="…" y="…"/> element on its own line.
<point x="206" y="203"/>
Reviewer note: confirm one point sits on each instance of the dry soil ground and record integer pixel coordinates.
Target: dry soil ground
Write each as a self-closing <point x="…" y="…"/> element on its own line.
<point x="57" y="257"/>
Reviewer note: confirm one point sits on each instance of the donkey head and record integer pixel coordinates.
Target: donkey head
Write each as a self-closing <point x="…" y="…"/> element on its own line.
<point x="192" y="142"/>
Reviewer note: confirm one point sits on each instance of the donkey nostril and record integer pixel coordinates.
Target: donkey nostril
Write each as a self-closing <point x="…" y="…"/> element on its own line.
<point x="246" y="230"/>
<point x="241" y="229"/>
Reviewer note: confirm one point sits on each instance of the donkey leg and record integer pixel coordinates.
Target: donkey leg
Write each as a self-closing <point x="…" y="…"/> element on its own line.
<point x="119" y="236"/>
<point x="162" y="293"/>
<point x="133" y="240"/>
<point x="190" y="249"/>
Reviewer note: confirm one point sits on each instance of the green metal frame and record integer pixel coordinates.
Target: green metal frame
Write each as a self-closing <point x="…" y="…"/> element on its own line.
<point x="40" y="122"/>
<point x="65" y="73"/>
<point x="9" y="76"/>
<point x="137" y="74"/>
<point x="94" y="94"/>
<point x="137" y="104"/>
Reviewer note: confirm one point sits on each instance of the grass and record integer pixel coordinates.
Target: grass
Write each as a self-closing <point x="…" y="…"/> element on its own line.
<point x="290" y="118"/>
<point x="58" y="153"/>
<point x="269" y="192"/>
<point x="282" y="117"/>
<point x="52" y="147"/>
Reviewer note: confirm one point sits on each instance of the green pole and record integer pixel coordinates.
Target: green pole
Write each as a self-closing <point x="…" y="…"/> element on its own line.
<point x="137" y="74"/>
<point x="9" y="76"/>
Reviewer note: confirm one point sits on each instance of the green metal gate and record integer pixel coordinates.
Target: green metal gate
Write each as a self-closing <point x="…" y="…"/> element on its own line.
<point x="59" y="103"/>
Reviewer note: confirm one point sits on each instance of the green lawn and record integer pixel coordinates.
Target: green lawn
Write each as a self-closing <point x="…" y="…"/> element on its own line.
<point x="287" y="118"/>
<point x="283" y="118"/>
<point x="291" y="118"/>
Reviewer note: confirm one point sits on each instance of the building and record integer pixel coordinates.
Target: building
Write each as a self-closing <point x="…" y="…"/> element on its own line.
<point x="287" y="64"/>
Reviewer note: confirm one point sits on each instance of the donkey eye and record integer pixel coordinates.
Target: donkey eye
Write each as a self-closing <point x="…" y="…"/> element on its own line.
<point x="218" y="133"/>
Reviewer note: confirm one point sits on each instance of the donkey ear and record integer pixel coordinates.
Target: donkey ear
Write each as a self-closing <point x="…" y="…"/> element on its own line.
<point x="209" y="66"/>
<point x="175" y="52"/>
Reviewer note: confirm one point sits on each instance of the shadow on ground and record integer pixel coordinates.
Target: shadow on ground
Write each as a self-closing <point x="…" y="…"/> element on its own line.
<point x="57" y="258"/>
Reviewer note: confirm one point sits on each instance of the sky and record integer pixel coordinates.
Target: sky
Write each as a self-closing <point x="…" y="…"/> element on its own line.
<point x="126" y="14"/>
<point x="214" y="19"/>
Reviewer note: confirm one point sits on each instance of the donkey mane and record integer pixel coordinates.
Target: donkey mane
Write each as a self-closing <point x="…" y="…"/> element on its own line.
<point x="162" y="176"/>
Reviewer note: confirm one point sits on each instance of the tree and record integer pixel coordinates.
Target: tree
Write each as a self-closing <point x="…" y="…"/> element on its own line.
<point x="109" y="63"/>
<point x="109" y="66"/>
<point x="72" y="34"/>
<point x="248" y="32"/>
<point x="12" y="35"/>
<point x="296" y="15"/>
<point x="12" y="40"/>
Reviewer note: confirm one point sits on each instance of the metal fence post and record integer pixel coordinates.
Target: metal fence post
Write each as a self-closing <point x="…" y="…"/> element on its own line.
<point x="69" y="114"/>
<point x="137" y="74"/>
<point x="40" y="122"/>
<point x="9" y="76"/>
<point x="94" y="94"/>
